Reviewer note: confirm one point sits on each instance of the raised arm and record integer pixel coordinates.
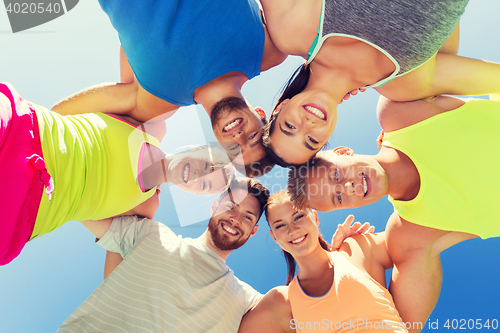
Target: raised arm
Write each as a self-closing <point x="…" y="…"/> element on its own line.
<point x="271" y="315"/>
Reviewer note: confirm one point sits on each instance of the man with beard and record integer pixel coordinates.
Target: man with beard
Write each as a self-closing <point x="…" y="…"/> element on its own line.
<point x="168" y="283"/>
<point x="183" y="53"/>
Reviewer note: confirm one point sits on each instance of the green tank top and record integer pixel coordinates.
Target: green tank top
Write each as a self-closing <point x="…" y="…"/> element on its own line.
<point x="94" y="161"/>
<point x="457" y="154"/>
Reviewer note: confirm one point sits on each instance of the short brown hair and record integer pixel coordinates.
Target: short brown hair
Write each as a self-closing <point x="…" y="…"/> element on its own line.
<point x="254" y="188"/>
<point x="297" y="182"/>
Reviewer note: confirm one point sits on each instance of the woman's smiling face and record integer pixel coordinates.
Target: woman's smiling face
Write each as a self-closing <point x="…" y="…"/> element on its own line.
<point x="294" y="231"/>
<point x="201" y="170"/>
<point x="303" y="126"/>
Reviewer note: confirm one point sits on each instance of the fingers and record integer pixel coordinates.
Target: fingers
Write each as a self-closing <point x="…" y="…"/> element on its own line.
<point x="349" y="219"/>
<point x="338" y="238"/>
<point x="365" y="227"/>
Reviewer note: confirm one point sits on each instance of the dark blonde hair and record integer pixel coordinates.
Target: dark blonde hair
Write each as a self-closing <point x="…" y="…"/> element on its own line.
<point x="275" y="199"/>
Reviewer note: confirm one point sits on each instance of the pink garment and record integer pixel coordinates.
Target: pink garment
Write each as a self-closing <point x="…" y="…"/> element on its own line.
<point x="22" y="172"/>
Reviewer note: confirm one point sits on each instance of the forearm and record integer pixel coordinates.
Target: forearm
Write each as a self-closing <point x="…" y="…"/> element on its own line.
<point x="117" y="98"/>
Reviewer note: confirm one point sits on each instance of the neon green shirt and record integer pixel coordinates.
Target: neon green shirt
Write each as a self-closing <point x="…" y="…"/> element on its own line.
<point x="457" y="154"/>
<point x="94" y="161"/>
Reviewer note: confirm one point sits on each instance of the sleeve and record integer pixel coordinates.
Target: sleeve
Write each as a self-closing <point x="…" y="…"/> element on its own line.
<point x="251" y="296"/>
<point x="126" y="231"/>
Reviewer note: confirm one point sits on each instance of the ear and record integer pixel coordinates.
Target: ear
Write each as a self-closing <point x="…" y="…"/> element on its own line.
<point x="254" y="230"/>
<point x="281" y="106"/>
<point x="343" y="151"/>
<point x="260" y="112"/>
<point x="315" y="216"/>
<point x="272" y="235"/>
<point x="214" y="207"/>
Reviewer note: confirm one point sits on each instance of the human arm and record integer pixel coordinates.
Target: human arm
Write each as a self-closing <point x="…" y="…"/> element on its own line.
<point x="271" y="315"/>
<point x="113" y="259"/>
<point x="126" y="99"/>
<point x="346" y="230"/>
<point x="126" y="72"/>
<point x="445" y="74"/>
<point x="417" y="274"/>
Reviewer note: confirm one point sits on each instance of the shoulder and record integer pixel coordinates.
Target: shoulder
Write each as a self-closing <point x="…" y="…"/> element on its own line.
<point x="393" y="115"/>
<point x="366" y="250"/>
<point x="271" y="314"/>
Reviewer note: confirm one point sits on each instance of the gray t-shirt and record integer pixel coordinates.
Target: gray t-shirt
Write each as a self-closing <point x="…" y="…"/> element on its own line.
<point x="165" y="284"/>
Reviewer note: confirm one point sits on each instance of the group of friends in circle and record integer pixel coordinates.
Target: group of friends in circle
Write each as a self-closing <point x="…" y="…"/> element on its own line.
<point x="96" y="158"/>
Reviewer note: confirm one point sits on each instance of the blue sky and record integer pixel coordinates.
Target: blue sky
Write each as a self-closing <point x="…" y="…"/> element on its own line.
<point x="56" y="272"/>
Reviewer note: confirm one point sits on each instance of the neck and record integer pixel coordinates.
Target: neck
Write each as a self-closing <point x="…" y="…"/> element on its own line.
<point x="402" y="175"/>
<point x="335" y="82"/>
<point x="314" y="264"/>
<point x="205" y="239"/>
<point x="227" y="85"/>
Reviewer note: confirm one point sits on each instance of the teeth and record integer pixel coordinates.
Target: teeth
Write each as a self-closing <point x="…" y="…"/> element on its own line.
<point x="365" y="186"/>
<point x="186" y="173"/>
<point x="231" y="125"/>
<point x="230" y="230"/>
<point x="298" y="240"/>
<point x="316" y="112"/>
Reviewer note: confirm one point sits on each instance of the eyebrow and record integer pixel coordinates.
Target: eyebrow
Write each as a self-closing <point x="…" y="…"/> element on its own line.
<point x="308" y="146"/>
<point x="276" y="221"/>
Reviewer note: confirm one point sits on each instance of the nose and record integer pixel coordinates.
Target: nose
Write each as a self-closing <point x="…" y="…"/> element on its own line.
<point x="239" y="137"/>
<point x="235" y="220"/>
<point x="349" y="188"/>
<point x="294" y="230"/>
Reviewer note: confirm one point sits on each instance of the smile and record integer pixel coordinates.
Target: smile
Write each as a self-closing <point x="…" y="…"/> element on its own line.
<point x="232" y="124"/>
<point x="185" y="174"/>
<point x="229" y="229"/>
<point x="365" y="185"/>
<point x="299" y="240"/>
<point x="315" y="111"/>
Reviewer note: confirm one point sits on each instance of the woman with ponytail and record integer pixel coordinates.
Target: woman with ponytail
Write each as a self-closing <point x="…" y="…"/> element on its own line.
<point x="406" y="50"/>
<point x="334" y="290"/>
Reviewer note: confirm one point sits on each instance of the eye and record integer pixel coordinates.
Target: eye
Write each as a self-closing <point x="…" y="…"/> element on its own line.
<point x="203" y="185"/>
<point x="235" y="148"/>
<point x="279" y="226"/>
<point x="298" y="217"/>
<point x="248" y="218"/>
<point x="336" y="175"/>
<point x="313" y="141"/>
<point x="206" y="165"/>
<point x="289" y="126"/>
<point x="230" y="206"/>
<point x="253" y="136"/>
<point x="339" y="198"/>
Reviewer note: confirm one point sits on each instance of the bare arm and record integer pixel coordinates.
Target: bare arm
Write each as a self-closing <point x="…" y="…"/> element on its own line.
<point x="112" y="261"/>
<point x="126" y="72"/>
<point x="445" y="74"/>
<point x="271" y="315"/>
<point x="117" y="98"/>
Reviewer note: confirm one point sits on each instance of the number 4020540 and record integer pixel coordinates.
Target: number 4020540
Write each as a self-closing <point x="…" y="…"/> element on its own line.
<point x="32" y="8"/>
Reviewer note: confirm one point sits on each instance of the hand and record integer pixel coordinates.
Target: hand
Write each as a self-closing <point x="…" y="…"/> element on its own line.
<point x="353" y="93"/>
<point x="379" y="139"/>
<point x="346" y="230"/>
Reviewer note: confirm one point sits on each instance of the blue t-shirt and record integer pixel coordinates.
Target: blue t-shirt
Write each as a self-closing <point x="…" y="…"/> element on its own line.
<point x="176" y="46"/>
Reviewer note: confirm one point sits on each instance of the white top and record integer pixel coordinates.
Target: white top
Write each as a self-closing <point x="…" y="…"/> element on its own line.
<point x="165" y="284"/>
